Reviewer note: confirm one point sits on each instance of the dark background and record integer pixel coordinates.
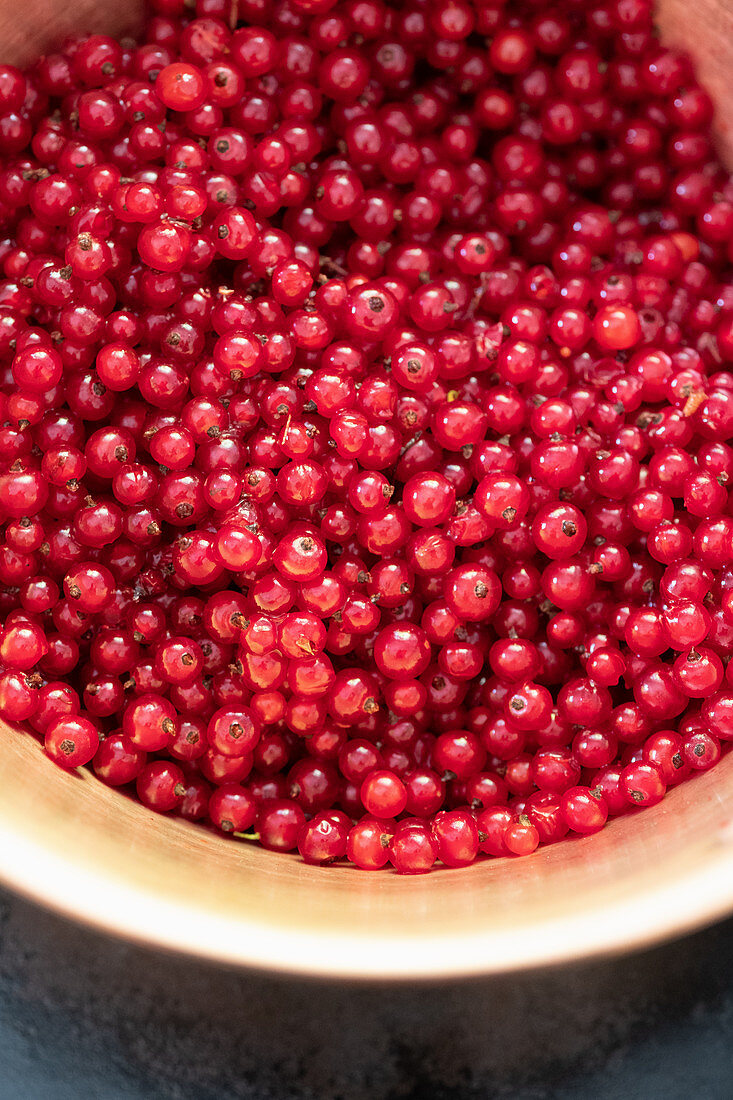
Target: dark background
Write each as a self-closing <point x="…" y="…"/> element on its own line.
<point x="84" y="1016"/>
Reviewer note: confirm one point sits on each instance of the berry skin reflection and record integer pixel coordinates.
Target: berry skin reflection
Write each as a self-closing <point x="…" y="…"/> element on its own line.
<point x="365" y="421"/>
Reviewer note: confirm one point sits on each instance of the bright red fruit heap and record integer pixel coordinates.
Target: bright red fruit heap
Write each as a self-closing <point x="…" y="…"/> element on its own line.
<point x="364" y="420"/>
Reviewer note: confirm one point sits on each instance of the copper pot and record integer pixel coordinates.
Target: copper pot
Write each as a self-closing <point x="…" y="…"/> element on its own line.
<point x="72" y="844"/>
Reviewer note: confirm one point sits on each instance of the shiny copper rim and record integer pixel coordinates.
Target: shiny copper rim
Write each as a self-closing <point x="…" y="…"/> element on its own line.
<point x="121" y="911"/>
<point x="99" y="858"/>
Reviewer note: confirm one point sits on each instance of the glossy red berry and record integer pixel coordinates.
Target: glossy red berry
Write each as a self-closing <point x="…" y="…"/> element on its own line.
<point x="413" y="850"/>
<point x="457" y="836"/>
<point x="584" y="810"/>
<point x="232" y="808"/>
<point x="71" y="741"/>
<point x="324" y="838"/>
<point x="161" y="786"/>
<point x="181" y="87"/>
<point x="383" y="794"/>
<point x="368" y="843"/>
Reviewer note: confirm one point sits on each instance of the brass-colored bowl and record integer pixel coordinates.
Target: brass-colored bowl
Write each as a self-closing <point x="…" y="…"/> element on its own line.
<point x="72" y="844"/>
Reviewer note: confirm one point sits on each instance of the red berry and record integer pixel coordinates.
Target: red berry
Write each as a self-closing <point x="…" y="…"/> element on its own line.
<point x="71" y="741"/>
<point x="383" y="794"/>
<point x="413" y="850"/>
<point x="181" y="87"/>
<point x="232" y="808"/>
<point x="324" y="838"/>
<point x="457" y="837"/>
<point x="584" y="810"/>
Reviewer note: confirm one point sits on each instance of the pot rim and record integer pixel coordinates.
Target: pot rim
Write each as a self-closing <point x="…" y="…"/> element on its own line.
<point x="663" y="901"/>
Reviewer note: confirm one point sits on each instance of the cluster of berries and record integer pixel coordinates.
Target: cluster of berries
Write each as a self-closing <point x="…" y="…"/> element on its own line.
<point x="365" y="420"/>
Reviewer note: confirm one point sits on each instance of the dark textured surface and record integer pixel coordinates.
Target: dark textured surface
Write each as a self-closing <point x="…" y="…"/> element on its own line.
<point x="83" y="1016"/>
